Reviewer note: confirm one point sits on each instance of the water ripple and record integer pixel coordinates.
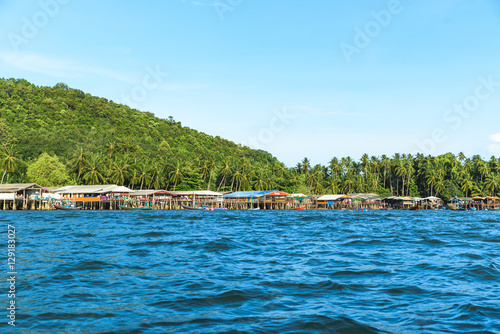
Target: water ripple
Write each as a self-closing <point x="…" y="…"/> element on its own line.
<point x="257" y="272"/>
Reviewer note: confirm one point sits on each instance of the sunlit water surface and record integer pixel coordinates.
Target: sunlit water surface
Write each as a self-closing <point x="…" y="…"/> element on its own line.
<point x="256" y="272"/>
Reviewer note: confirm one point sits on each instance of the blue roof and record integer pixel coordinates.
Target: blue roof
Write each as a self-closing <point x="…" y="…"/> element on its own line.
<point x="247" y="194"/>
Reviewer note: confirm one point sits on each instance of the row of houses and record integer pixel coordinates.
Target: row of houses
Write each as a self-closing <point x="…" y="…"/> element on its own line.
<point x="29" y="196"/>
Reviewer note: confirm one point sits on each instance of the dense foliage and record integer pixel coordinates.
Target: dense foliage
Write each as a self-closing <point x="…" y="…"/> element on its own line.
<point x="99" y="141"/>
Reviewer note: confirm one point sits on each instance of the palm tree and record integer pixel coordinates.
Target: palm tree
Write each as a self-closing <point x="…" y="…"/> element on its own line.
<point x="78" y="160"/>
<point x="333" y="185"/>
<point x="492" y="184"/>
<point x="386" y="165"/>
<point x="143" y="173"/>
<point x="176" y="174"/>
<point x="364" y="162"/>
<point x="431" y="178"/>
<point x="226" y="172"/>
<point x="119" y="171"/>
<point x="348" y="183"/>
<point x="245" y="183"/>
<point x="93" y="170"/>
<point x="467" y="185"/>
<point x="111" y="148"/>
<point x="9" y="161"/>
<point x="334" y="167"/>
<point x="484" y="170"/>
<point x="211" y="169"/>
<point x="401" y="171"/>
<point x="236" y="177"/>
<point x="306" y="165"/>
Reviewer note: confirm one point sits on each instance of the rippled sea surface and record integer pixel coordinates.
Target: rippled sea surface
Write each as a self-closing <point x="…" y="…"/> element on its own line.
<point x="255" y="272"/>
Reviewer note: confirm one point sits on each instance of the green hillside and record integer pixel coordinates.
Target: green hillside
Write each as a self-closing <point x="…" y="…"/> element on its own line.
<point x="84" y="130"/>
<point x="58" y="135"/>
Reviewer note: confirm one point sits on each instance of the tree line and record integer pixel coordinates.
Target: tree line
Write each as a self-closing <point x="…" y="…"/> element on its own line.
<point x="61" y="136"/>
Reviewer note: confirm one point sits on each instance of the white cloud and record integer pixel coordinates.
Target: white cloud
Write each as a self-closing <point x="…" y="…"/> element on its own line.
<point x="494" y="149"/>
<point x="495" y="138"/>
<point x="320" y="112"/>
<point x="33" y="62"/>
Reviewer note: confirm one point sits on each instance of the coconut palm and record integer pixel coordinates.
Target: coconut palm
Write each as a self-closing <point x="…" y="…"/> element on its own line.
<point x="176" y="174"/>
<point x="93" y="172"/>
<point x="78" y="160"/>
<point x="9" y="161"/>
<point x="467" y="185"/>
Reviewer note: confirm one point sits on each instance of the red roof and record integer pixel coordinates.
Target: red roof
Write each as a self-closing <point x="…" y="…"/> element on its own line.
<point x="278" y="193"/>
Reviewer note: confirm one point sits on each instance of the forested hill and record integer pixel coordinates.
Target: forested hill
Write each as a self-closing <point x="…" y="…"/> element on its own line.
<point x="68" y="122"/>
<point x="60" y="119"/>
<point x="60" y="136"/>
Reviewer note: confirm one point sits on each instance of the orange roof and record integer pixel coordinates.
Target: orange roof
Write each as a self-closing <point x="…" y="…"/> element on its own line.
<point x="278" y="193"/>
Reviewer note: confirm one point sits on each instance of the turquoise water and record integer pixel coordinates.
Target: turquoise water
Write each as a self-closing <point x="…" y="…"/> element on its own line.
<point x="255" y="272"/>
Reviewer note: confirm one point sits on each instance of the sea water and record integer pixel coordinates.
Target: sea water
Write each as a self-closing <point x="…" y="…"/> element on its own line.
<point x="253" y="272"/>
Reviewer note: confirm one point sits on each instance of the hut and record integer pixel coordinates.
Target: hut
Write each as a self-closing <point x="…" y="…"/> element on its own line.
<point x="13" y="194"/>
<point x="398" y="202"/>
<point x="265" y="199"/>
<point x="200" y="197"/>
<point x="367" y="200"/>
<point x="299" y="198"/>
<point x="96" y="196"/>
<point x="334" y="201"/>
<point x="94" y="193"/>
<point x="458" y="203"/>
<point x="431" y="202"/>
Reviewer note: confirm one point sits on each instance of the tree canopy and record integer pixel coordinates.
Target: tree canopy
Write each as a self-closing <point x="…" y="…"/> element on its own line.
<point x="53" y="135"/>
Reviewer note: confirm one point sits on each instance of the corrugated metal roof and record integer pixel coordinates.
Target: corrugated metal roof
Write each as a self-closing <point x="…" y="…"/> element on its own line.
<point x="94" y="189"/>
<point x="249" y="194"/>
<point x="15" y="187"/>
<point x="331" y="197"/>
<point x="299" y="195"/>
<point x="195" y="193"/>
<point x="149" y="192"/>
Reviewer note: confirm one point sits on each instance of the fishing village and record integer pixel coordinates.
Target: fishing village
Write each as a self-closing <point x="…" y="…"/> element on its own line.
<point x="31" y="196"/>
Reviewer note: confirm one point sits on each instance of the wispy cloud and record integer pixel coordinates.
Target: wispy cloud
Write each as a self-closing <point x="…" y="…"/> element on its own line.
<point x="33" y="62"/>
<point x="495" y="138"/>
<point x="205" y="4"/>
<point x="494" y="146"/>
<point x="321" y="112"/>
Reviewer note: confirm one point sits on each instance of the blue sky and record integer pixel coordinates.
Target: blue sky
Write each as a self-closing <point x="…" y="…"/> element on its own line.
<point x="296" y="78"/>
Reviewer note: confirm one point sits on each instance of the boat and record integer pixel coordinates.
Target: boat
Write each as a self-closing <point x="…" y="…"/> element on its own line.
<point x="415" y="207"/>
<point x="67" y="208"/>
<point x="451" y="206"/>
<point x="254" y="209"/>
<point x="187" y="207"/>
<point x="65" y="205"/>
<point x="124" y="207"/>
<point x="303" y="207"/>
<point x="207" y="208"/>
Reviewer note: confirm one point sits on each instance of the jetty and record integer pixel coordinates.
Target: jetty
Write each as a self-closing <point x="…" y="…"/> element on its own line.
<point x="32" y="196"/>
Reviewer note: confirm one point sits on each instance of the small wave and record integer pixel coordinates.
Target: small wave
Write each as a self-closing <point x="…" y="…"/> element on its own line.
<point x="221" y="245"/>
<point x="138" y="252"/>
<point x="90" y="265"/>
<point x="324" y="324"/>
<point x="67" y="316"/>
<point x="155" y="234"/>
<point x="228" y="298"/>
<point x="482" y="273"/>
<point x="365" y="242"/>
<point x="472" y="256"/>
<point x="347" y="273"/>
<point x="319" y="286"/>
<point x="430" y="241"/>
<point x="406" y="290"/>
<point x="470" y="311"/>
